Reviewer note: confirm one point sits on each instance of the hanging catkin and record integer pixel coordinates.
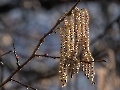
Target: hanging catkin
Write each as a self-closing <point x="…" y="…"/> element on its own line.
<point x="75" y="33"/>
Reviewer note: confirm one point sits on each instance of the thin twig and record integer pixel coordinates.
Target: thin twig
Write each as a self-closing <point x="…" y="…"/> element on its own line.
<point x="45" y="55"/>
<point x="54" y="57"/>
<point x="38" y="45"/>
<point x="16" y="56"/>
<point x="93" y="61"/>
<point x="27" y="86"/>
<point x="100" y="61"/>
<point x="6" y="53"/>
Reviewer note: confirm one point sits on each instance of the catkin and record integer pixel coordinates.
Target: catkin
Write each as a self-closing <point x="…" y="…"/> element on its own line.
<point x="75" y="34"/>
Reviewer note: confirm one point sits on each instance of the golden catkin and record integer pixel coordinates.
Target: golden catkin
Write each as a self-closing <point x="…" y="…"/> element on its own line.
<point x="65" y="52"/>
<point x="74" y="62"/>
<point x="75" y="33"/>
<point x="86" y="54"/>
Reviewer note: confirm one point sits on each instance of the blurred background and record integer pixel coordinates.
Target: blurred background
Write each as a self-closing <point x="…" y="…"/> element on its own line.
<point x="24" y="22"/>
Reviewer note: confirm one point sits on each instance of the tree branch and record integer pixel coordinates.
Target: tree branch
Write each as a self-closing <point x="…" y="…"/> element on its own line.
<point x="6" y="53"/>
<point x="16" y="55"/>
<point x="45" y="55"/>
<point x="27" y="86"/>
<point x="38" y="45"/>
<point x="54" y="57"/>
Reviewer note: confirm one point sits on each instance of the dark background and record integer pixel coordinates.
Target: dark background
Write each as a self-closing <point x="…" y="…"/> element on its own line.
<point x="24" y="22"/>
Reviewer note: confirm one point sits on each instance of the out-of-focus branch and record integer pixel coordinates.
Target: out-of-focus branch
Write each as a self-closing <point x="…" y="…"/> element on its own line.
<point x="105" y="31"/>
<point x="38" y="45"/>
<point x="1" y="63"/>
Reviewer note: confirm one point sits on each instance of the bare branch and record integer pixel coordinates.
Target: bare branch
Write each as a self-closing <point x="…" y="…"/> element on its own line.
<point x="38" y="45"/>
<point x="6" y="53"/>
<point x="100" y="61"/>
<point x="2" y="74"/>
<point x="93" y="61"/>
<point x="16" y="56"/>
<point x="46" y="55"/>
<point x="27" y="86"/>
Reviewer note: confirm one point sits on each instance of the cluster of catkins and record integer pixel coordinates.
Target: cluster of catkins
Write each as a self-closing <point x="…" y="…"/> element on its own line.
<point x="75" y="36"/>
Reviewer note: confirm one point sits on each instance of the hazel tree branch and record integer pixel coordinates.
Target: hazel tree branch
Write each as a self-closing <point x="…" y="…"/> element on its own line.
<point x="54" y="57"/>
<point x="38" y="45"/>
<point x="27" y="86"/>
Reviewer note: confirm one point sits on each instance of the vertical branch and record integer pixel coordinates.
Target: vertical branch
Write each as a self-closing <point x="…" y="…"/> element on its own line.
<point x="2" y="73"/>
<point x="16" y="56"/>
